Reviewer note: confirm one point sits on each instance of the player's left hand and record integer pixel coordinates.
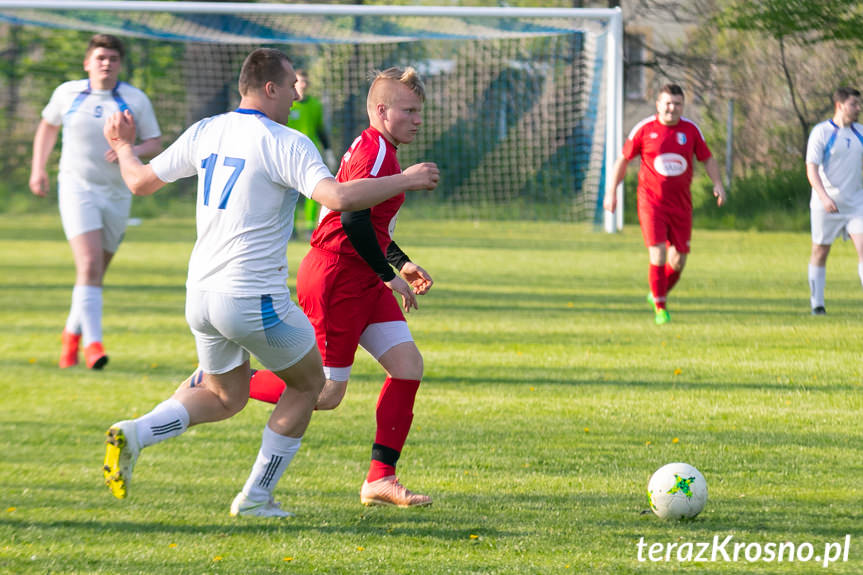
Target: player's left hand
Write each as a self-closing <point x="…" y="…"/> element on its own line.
<point x="418" y="278"/>
<point x="400" y="286"/>
<point x="111" y="156"/>
<point x="719" y="194"/>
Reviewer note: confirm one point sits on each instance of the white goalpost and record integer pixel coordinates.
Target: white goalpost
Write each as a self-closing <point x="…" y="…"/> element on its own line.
<point x="524" y="113"/>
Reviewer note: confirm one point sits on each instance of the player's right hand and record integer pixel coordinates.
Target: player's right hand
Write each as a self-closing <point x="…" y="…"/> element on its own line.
<point x="423" y="176"/>
<point x="120" y="129"/>
<point x="39" y="183"/>
<point x="402" y="287"/>
<point x="610" y="202"/>
<point x="829" y="204"/>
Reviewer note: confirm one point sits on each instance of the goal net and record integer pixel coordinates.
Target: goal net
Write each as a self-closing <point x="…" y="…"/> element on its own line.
<point x="517" y="111"/>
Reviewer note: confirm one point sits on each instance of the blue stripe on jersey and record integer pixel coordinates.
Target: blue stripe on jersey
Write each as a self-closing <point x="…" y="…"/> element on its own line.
<point x="856" y="133"/>
<point x="115" y="93"/>
<point x="76" y="103"/>
<point x="829" y="147"/>
<point x="121" y="103"/>
<point x="249" y="111"/>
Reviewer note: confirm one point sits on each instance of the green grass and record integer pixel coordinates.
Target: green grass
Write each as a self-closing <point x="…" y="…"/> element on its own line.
<point x="549" y="399"/>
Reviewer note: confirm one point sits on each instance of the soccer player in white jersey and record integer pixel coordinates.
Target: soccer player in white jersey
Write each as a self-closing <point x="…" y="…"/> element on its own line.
<point x="94" y="201"/>
<point x="250" y="169"/>
<point x="834" y="160"/>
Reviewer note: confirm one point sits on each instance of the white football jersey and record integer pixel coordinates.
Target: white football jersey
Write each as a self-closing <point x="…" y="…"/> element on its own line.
<point x="838" y="153"/>
<point x="82" y="113"/>
<point x="249" y="170"/>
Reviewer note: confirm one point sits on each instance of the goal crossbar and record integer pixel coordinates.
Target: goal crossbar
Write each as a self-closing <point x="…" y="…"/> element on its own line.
<point x="602" y="14"/>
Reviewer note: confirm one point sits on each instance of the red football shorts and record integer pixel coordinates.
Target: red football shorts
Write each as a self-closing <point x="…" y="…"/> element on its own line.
<point x="342" y="296"/>
<point x="660" y="225"/>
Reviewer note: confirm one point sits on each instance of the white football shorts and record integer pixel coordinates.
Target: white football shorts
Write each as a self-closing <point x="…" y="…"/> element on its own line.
<point x="826" y="227"/>
<point x="82" y="212"/>
<point x="228" y="328"/>
<point x="377" y="339"/>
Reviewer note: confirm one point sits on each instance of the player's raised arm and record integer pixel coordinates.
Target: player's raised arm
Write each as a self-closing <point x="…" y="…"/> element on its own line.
<point x="119" y="130"/>
<point x="367" y="192"/>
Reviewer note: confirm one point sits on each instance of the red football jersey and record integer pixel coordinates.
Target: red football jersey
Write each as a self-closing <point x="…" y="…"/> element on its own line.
<point x="370" y="156"/>
<point x="666" y="161"/>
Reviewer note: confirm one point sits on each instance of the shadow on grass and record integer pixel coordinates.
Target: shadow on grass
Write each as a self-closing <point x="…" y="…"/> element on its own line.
<point x="410" y="523"/>
<point x="646" y="379"/>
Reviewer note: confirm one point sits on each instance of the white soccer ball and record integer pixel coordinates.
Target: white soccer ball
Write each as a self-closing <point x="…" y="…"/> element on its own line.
<point x="677" y="491"/>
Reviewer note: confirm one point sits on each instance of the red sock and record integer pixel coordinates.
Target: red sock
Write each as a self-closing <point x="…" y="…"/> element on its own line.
<point x="394" y="417"/>
<point x="658" y="285"/>
<point x="671" y="277"/>
<point x="266" y="386"/>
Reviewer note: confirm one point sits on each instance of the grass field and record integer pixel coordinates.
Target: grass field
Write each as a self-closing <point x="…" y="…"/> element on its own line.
<point x="549" y="399"/>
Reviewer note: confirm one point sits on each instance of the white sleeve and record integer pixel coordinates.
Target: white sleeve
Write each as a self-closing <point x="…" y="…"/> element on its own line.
<point x="145" y="119"/>
<point x="815" y="147"/>
<point x="301" y="167"/>
<point x="177" y="161"/>
<point x="53" y="111"/>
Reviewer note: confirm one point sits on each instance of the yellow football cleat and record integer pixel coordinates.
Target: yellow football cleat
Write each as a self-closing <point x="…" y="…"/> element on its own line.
<point x="121" y="453"/>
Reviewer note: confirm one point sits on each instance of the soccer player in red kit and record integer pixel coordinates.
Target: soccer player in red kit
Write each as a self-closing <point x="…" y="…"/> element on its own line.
<point x="345" y="286"/>
<point x="667" y="143"/>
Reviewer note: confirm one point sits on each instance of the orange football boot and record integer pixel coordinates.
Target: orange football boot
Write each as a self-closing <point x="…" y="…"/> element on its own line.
<point x="95" y="356"/>
<point x="69" y="349"/>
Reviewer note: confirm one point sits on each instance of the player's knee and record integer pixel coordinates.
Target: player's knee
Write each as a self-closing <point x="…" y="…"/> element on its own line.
<point x="819" y="254"/>
<point x="233" y="404"/>
<point x="89" y="272"/>
<point x="411" y="367"/>
<point x="331" y="395"/>
<point x="326" y="403"/>
<point x="418" y="367"/>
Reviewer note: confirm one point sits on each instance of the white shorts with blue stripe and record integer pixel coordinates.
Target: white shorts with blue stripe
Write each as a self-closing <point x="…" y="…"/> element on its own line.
<point x="228" y="328"/>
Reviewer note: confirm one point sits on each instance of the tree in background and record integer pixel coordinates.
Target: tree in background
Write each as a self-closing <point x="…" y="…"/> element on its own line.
<point x="779" y="59"/>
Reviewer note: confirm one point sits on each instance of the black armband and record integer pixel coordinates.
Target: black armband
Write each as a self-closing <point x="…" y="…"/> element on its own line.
<point x="396" y="256"/>
<point x="358" y="227"/>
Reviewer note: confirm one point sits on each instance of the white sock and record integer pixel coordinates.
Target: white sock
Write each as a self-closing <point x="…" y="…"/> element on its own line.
<point x="91" y="313"/>
<point x="73" y="321"/>
<point x="817" y="279"/>
<point x="860" y="271"/>
<point x="168" y="419"/>
<point x="275" y="455"/>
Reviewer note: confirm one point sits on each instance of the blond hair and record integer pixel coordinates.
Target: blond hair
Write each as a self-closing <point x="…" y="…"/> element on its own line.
<point x="408" y="77"/>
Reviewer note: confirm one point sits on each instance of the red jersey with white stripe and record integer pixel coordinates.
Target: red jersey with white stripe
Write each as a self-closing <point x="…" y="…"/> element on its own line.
<point x="666" y="161"/>
<point x="370" y="156"/>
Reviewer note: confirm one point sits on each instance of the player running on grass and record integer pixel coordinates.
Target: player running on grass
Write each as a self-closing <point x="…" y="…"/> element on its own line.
<point x="345" y="286"/>
<point x="666" y="143"/>
<point x="249" y="167"/>
<point x="834" y="159"/>
<point x="94" y="201"/>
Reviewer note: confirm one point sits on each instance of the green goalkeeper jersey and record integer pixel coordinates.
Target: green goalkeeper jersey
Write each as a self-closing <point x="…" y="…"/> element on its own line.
<point x="307" y="116"/>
